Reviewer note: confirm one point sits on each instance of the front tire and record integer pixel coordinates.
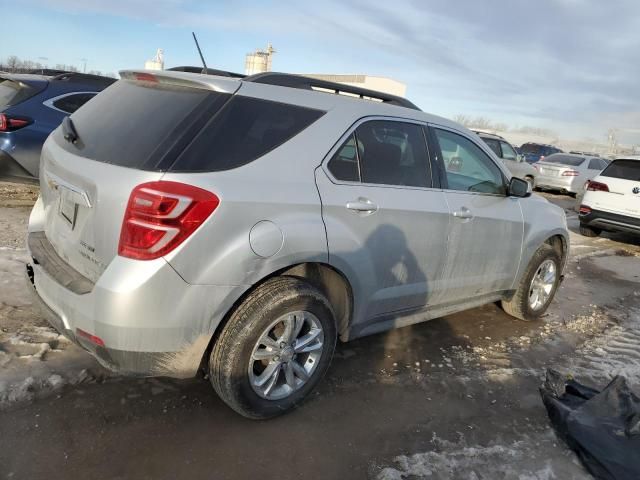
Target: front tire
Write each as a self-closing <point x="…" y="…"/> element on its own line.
<point x="537" y="287"/>
<point x="275" y="348"/>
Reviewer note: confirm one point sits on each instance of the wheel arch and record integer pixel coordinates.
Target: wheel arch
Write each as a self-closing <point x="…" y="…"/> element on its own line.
<point x="326" y="278"/>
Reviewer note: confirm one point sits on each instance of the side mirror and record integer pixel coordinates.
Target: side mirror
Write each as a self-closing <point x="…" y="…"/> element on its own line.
<point x="519" y="188"/>
<point x="520" y="158"/>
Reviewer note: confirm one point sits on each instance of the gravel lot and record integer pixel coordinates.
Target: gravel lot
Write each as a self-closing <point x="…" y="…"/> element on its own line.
<point x="453" y="398"/>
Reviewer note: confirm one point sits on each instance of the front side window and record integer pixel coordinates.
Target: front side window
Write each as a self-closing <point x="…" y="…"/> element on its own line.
<point x="508" y="152"/>
<point x="468" y="168"/>
<point x="393" y="153"/>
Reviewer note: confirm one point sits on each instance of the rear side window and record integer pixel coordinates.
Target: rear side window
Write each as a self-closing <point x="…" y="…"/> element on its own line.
<point x="494" y="145"/>
<point x="625" y="169"/>
<point x="136" y="124"/>
<point x="393" y="153"/>
<point x="344" y="163"/>
<point x="14" y="92"/>
<point x="71" y="103"/>
<point x="245" y="129"/>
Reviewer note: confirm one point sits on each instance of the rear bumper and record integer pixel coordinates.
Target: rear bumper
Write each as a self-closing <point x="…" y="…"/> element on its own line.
<point x="11" y="170"/>
<point x="570" y="184"/>
<point x="151" y="322"/>
<point x="611" y="221"/>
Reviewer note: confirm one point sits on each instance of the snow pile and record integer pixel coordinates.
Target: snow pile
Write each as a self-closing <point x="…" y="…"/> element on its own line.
<point x="531" y="458"/>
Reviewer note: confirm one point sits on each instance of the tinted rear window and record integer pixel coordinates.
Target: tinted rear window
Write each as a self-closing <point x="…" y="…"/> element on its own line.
<point x="531" y="148"/>
<point x="245" y="129"/>
<point x="162" y="127"/>
<point x="14" y="92"/>
<point x="564" y="160"/>
<point x="626" y="169"/>
<point x="135" y="124"/>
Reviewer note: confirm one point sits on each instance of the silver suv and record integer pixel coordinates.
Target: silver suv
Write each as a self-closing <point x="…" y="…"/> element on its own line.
<point x="515" y="163"/>
<point x="243" y="226"/>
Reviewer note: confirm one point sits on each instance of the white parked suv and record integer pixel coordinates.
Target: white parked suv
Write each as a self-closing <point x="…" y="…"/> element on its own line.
<point x="191" y="222"/>
<point x="612" y="199"/>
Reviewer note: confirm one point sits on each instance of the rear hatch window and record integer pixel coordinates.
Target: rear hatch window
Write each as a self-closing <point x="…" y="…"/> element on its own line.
<point x="564" y="160"/>
<point x="165" y="127"/>
<point x="13" y="92"/>
<point x="136" y="124"/>
<point x="531" y="148"/>
<point x="624" y="169"/>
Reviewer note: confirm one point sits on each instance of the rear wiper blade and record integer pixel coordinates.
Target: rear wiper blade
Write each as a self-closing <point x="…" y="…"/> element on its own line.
<point x="69" y="130"/>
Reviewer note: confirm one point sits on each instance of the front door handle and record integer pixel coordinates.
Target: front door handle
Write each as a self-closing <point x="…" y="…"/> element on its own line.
<point x="463" y="213"/>
<point x="362" y="205"/>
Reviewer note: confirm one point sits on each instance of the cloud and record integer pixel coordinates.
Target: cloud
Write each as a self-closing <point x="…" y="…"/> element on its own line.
<point x="571" y="61"/>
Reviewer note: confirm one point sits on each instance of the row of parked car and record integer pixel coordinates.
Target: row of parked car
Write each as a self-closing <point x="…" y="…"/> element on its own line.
<point x="607" y="192"/>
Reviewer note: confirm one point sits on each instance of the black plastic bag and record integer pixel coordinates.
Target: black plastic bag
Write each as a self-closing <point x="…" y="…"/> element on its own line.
<point x="603" y="428"/>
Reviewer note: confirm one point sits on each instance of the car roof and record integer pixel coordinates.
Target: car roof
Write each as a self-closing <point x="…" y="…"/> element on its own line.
<point x="635" y="158"/>
<point x="309" y="97"/>
<point x="481" y="134"/>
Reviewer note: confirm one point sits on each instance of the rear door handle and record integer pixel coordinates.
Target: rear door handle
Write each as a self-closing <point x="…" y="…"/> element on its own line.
<point x="463" y="213"/>
<point x="362" y="205"/>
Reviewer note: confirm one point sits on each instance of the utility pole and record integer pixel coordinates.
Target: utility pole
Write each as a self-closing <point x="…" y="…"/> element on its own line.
<point x="84" y="61"/>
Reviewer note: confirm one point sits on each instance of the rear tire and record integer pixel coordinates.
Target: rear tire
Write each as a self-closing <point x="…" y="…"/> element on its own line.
<point x="259" y="328"/>
<point x="589" y="231"/>
<point x="520" y="305"/>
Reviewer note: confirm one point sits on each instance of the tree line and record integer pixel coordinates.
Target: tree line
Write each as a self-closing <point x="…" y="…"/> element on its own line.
<point x="483" y="123"/>
<point x="13" y="64"/>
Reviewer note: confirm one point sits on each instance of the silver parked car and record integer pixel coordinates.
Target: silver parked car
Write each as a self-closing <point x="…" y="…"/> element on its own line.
<point x="568" y="172"/>
<point x="243" y="226"/>
<point x="514" y="162"/>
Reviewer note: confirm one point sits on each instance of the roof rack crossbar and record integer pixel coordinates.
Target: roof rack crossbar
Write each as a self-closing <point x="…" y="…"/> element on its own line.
<point x="309" y="83"/>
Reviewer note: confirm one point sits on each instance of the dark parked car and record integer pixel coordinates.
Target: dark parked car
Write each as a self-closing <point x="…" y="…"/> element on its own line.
<point x="31" y="107"/>
<point x="534" y="152"/>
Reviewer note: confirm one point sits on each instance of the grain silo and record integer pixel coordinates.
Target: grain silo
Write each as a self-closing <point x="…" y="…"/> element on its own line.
<point x="259" y="61"/>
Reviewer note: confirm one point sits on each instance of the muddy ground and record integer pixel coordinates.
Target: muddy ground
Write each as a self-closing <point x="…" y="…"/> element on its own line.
<point x="453" y="398"/>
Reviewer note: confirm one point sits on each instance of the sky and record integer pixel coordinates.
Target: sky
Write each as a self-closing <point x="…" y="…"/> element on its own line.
<point x="571" y="66"/>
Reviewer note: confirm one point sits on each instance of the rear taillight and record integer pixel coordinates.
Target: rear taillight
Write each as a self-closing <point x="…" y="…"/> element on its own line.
<point x="570" y="173"/>
<point x="9" y="123"/>
<point x="162" y="215"/>
<point x="597" y="186"/>
<point x="584" y="210"/>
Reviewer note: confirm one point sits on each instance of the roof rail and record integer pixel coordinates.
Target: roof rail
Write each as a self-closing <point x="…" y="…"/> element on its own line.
<point x="308" y="83"/>
<point x="84" y="77"/>
<point x="208" y="71"/>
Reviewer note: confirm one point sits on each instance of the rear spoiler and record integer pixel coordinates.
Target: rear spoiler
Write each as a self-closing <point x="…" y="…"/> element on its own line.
<point x="183" y="79"/>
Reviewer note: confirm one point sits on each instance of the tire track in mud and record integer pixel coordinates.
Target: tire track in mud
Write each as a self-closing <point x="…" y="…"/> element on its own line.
<point x="615" y="352"/>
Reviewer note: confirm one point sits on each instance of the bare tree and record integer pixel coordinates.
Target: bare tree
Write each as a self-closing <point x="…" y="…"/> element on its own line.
<point x="13" y="63"/>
